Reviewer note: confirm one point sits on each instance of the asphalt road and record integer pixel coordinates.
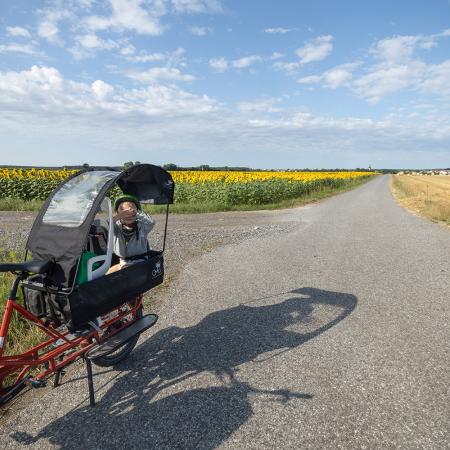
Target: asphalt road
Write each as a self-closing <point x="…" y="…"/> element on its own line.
<point x="335" y="335"/>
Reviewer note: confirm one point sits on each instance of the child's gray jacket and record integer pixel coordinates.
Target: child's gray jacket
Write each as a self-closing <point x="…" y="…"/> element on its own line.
<point x="138" y="242"/>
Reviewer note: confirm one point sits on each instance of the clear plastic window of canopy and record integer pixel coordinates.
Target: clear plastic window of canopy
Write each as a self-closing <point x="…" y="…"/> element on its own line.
<point x="72" y="203"/>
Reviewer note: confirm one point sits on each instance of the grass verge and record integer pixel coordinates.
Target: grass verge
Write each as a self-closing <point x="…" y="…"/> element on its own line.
<point x="22" y="333"/>
<point x="17" y="204"/>
<point x="428" y="196"/>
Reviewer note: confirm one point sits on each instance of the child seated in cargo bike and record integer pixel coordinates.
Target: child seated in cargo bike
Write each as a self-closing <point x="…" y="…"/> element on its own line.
<point x="131" y="228"/>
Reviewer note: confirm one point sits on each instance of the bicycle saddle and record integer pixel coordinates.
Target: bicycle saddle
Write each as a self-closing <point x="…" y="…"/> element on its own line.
<point x="28" y="266"/>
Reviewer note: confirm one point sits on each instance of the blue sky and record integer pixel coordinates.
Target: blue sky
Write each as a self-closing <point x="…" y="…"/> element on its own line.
<point x="264" y="84"/>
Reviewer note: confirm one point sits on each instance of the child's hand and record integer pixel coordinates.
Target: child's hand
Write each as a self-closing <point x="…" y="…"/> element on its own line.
<point x="127" y="213"/>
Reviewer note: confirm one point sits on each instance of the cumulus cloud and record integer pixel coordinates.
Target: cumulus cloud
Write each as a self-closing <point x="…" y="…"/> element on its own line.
<point x="92" y="41"/>
<point x="101" y="89"/>
<point x="87" y="45"/>
<point x="436" y="79"/>
<point x="133" y="15"/>
<point x="48" y="26"/>
<point x="140" y="117"/>
<point x="288" y="67"/>
<point x="197" y="6"/>
<point x="310" y="79"/>
<point x="14" y="47"/>
<point x="278" y="30"/>
<point x="139" y="16"/>
<point x="336" y="77"/>
<point x="44" y="89"/>
<point x="175" y="58"/>
<point x="160" y="73"/>
<point x="397" y="66"/>
<point x="385" y="79"/>
<point x="246" y="61"/>
<point x="264" y="105"/>
<point x="396" y="49"/>
<point x="147" y="57"/>
<point x="316" y="49"/>
<point x="219" y="64"/>
<point x="128" y="50"/>
<point x="200" y="31"/>
<point x="18" y="32"/>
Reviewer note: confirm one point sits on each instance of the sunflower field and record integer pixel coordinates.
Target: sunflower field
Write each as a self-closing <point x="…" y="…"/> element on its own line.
<point x="224" y="187"/>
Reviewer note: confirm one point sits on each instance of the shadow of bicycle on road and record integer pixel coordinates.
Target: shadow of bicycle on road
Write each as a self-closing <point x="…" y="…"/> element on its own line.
<point x="134" y="411"/>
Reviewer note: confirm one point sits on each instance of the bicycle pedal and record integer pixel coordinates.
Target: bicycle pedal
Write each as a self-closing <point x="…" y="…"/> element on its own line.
<point x="36" y="384"/>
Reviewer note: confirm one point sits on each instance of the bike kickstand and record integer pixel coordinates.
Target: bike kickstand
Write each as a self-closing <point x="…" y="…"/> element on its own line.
<point x="58" y="375"/>
<point x="90" y="381"/>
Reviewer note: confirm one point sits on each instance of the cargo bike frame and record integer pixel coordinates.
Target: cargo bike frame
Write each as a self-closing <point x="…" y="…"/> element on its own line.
<point x="98" y="319"/>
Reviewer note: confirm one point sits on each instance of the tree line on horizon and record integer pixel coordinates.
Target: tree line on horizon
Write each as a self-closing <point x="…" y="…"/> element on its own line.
<point x="172" y="167"/>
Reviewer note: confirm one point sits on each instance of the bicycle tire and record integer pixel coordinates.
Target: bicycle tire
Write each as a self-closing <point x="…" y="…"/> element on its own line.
<point x="122" y="352"/>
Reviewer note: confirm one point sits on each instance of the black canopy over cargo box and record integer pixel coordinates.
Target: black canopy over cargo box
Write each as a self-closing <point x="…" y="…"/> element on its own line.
<point x="60" y="233"/>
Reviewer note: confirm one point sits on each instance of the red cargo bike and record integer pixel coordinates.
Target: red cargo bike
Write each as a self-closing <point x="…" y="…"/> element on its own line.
<point x="82" y="311"/>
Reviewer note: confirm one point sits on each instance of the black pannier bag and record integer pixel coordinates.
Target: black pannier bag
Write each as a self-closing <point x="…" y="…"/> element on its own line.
<point x="43" y="304"/>
<point x="35" y="300"/>
<point x="103" y="294"/>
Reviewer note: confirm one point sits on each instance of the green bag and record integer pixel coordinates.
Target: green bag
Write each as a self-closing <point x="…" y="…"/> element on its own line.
<point x="82" y="268"/>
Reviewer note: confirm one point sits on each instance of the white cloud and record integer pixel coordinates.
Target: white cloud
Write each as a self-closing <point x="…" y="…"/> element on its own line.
<point x="247" y="61"/>
<point x="101" y="89"/>
<point x="160" y="73"/>
<point x="200" y="31"/>
<point x="385" y="79"/>
<point x="399" y="49"/>
<point x="13" y="47"/>
<point x="133" y="15"/>
<point x="287" y="66"/>
<point x="87" y="45"/>
<point x="86" y="4"/>
<point x="219" y="64"/>
<point x="311" y="79"/>
<point x="48" y="27"/>
<point x="278" y="30"/>
<point x="103" y="118"/>
<point x="277" y="55"/>
<point x="43" y="90"/>
<point x="265" y="105"/>
<point x="399" y="68"/>
<point x="197" y="6"/>
<point x="128" y="50"/>
<point x="316" y="49"/>
<point x="172" y="58"/>
<point x="436" y="79"/>
<point x="396" y="49"/>
<point x="338" y="76"/>
<point x="92" y="41"/>
<point x="150" y="57"/>
<point x="396" y="68"/>
<point x="18" y="32"/>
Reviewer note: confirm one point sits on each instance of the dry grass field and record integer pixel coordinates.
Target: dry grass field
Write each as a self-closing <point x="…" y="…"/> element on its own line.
<point x="428" y="196"/>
